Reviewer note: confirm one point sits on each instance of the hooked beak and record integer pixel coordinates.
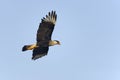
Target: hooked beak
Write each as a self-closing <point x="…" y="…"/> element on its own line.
<point x="59" y="43"/>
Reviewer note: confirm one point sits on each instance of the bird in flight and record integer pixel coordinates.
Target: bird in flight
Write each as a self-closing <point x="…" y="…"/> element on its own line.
<point x="43" y="40"/>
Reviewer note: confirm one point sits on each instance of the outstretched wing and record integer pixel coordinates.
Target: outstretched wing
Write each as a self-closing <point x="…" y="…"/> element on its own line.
<point x="39" y="52"/>
<point x="44" y="34"/>
<point x="46" y="27"/>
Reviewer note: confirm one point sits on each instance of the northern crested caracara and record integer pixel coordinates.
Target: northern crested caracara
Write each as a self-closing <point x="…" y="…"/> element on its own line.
<point x="44" y="34"/>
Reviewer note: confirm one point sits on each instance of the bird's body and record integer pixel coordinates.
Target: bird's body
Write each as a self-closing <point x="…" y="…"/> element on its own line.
<point x="43" y="39"/>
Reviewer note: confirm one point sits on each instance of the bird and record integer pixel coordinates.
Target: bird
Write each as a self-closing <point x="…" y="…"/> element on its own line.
<point x="43" y="37"/>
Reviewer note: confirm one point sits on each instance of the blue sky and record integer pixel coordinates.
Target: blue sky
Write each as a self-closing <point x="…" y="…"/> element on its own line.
<point x="89" y="31"/>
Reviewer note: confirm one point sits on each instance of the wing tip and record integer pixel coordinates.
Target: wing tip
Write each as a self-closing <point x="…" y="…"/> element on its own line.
<point x="37" y="56"/>
<point x="50" y="17"/>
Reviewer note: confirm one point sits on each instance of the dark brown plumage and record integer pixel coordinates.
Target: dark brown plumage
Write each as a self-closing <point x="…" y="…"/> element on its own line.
<point x="44" y="34"/>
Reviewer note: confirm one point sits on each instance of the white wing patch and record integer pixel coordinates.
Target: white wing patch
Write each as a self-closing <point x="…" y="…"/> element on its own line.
<point x="51" y="17"/>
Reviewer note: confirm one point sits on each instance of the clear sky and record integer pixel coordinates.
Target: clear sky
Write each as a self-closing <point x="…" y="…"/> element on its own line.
<point x="89" y="31"/>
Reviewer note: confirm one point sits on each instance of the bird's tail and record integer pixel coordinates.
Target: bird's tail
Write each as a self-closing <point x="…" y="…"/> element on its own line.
<point x="29" y="47"/>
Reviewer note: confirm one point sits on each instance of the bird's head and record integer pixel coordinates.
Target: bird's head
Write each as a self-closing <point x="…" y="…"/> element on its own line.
<point x="57" y="42"/>
<point x="54" y="42"/>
